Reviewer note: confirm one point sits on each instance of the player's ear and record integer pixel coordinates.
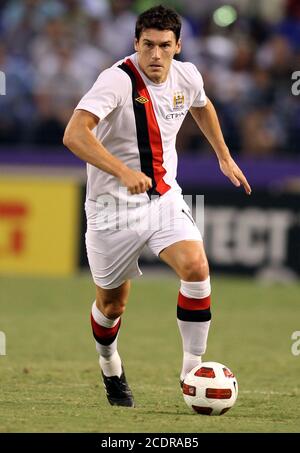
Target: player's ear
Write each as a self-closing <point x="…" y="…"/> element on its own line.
<point x="136" y="44"/>
<point x="178" y="46"/>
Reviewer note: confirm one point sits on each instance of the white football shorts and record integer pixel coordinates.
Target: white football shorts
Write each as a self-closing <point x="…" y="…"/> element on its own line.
<point x="114" y="247"/>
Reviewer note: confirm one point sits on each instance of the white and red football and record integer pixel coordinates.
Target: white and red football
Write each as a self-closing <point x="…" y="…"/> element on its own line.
<point x="210" y="389"/>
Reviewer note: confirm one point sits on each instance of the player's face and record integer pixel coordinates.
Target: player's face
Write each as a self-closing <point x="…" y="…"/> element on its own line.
<point x="156" y="49"/>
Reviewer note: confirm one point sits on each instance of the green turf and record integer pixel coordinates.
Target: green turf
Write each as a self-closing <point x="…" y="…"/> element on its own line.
<point x="50" y="379"/>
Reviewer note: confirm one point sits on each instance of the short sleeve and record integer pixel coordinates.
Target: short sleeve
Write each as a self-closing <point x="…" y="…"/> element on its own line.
<point x="110" y="91"/>
<point x="200" y="99"/>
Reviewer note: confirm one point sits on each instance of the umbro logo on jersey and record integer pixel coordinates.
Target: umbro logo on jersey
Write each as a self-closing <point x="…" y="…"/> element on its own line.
<point x="142" y="100"/>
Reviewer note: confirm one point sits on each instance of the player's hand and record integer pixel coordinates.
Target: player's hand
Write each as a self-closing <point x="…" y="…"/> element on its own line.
<point x="235" y="174"/>
<point x="135" y="181"/>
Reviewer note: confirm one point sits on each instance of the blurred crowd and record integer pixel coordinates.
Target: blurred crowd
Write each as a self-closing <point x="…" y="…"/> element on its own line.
<point x="52" y="51"/>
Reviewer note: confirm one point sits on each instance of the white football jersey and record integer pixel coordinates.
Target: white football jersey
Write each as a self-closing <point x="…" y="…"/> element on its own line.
<point x="139" y="121"/>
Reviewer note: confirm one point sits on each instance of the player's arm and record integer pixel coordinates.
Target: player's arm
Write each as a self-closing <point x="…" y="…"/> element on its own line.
<point x="80" y="139"/>
<point x="207" y="120"/>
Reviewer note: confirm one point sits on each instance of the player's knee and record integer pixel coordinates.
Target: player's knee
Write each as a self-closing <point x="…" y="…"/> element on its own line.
<point x="112" y="303"/>
<point x="113" y="310"/>
<point x="111" y="307"/>
<point x="193" y="269"/>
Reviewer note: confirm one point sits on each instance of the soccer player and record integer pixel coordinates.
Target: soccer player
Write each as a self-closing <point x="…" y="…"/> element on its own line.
<point x="125" y="129"/>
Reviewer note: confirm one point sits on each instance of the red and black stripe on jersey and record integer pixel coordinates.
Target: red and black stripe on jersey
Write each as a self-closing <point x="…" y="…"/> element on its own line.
<point x="148" y="132"/>
<point x="194" y="310"/>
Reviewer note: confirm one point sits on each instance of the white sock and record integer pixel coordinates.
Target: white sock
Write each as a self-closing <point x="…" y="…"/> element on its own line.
<point x="189" y="362"/>
<point x="109" y="359"/>
<point x="111" y="366"/>
<point x="193" y="318"/>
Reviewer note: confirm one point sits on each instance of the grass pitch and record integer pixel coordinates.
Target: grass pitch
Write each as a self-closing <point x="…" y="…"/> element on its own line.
<point x="50" y="379"/>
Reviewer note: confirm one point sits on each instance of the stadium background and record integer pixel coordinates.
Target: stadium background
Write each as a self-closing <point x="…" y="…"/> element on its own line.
<point x="249" y="55"/>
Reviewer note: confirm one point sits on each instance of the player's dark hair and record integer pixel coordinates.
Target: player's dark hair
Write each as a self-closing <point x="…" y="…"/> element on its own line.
<point x="159" y="18"/>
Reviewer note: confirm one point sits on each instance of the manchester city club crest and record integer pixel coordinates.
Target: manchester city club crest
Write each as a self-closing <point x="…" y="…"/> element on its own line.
<point x="178" y="100"/>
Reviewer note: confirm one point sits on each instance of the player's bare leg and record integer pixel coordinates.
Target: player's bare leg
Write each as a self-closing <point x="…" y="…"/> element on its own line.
<point x="112" y="302"/>
<point x="188" y="260"/>
<point x="106" y="320"/>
